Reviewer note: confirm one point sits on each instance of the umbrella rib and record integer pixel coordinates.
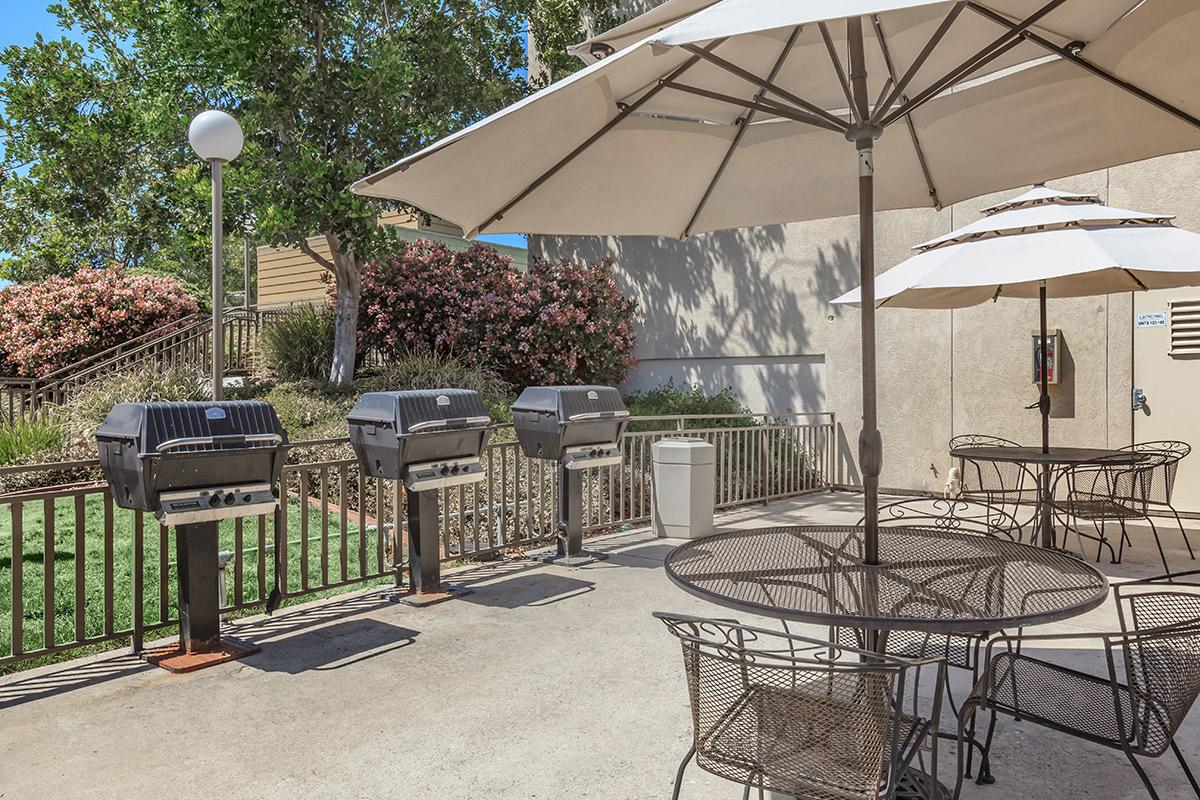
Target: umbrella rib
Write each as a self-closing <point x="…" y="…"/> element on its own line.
<point x="841" y="73"/>
<point x="993" y="50"/>
<point x="1141" y="285"/>
<point x="612" y="123"/>
<point x="922" y="57"/>
<point x="912" y="128"/>
<point x="771" y="88"/>
<point x="765" y="106"/>
<point x="1078" y="60"/>
<point x="737" y="137"/>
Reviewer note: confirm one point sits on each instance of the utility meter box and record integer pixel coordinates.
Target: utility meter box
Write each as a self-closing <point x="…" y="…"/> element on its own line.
<point x="683" y="487"/>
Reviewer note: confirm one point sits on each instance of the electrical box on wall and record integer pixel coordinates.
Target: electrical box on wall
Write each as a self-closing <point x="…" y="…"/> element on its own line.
<point x="1053" y="339"/>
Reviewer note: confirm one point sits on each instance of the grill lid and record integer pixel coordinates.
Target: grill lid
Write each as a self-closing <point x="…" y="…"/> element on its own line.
<point x="572" y="403"/>
<point x="193" y="427"/>
<point x="421" y="410"/>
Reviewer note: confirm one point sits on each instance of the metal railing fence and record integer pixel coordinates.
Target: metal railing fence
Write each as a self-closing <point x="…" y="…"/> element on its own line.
<point x="75" y="570"/>
<point x="185" y="341"/>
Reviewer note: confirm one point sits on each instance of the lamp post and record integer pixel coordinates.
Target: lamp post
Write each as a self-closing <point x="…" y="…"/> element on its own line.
<point x="217" y="138"/>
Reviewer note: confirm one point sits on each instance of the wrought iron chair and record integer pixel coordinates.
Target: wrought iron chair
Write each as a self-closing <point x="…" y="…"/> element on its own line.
<point x="1110" y="489"/>
<point x="1162" y="487"/>
<point x="1136" y="708"/>
<point x="1007" y="486"/>
<point x="799" y="716"/>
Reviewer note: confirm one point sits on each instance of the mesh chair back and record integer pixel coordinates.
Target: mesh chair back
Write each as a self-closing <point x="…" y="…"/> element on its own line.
<point x="993" y="481"/>
<point x="1112" y="488"/>
<point x="788" y="714"/>
<point x="1162" y="658"/>
<point x="1172" y="452"/>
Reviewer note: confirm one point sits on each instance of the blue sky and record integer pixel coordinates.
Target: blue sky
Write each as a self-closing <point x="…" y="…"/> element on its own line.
<point x="23" y="19"/>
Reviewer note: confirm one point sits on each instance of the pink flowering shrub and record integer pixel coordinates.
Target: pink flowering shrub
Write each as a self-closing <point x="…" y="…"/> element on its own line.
<point x="52" y="323"/>
<point x="556" y="324"/>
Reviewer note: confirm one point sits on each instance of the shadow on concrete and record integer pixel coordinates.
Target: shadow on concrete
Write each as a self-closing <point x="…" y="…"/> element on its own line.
<point x="648" y="556"/>
<point x="69" y="678"/>
<point x="332" y="647"/>
<point x="79" y="675"/>
<point x="532" y="591"/>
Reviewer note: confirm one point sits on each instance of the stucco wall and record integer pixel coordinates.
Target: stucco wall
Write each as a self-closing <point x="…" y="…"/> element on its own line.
<point x="760" y="296"/>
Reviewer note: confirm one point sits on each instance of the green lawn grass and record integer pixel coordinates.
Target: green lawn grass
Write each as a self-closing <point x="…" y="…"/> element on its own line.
<point x="64" y="563"/>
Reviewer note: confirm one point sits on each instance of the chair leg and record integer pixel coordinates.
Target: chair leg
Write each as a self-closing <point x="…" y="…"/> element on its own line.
<point x="679" y="773"/>
<point x="1186" y="769"/>
<point x="1142" y="774"/>
<point x="1182" y="532"/>
<point x="1121" y="548"/>
<point x="985" y="763"/>
<point x="966" y="726"/>
<point x="1161" y="553"/>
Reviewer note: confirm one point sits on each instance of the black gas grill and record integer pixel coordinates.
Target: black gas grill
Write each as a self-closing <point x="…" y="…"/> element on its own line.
<point x="430" y="439"/>
<point x="192" y="465"/>
<point x="579" y="427"/>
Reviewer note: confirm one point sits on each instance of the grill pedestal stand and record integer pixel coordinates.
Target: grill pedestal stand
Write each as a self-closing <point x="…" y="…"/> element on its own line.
<point x="424" y="553"/>
<point x="200" y="642"/>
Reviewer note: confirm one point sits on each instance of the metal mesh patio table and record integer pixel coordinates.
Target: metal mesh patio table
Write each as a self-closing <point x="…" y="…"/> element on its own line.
<point x="929" y="580"/>
<point x="1047" y="461"/>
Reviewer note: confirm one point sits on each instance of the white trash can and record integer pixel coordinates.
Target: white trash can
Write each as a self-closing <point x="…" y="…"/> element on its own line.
<point x="683" y="487"/>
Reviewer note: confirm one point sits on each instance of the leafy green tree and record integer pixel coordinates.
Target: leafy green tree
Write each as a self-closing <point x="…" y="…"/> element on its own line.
<point x="96" y="168"/>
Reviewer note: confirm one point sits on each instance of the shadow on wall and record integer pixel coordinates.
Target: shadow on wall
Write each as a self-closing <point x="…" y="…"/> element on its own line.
<point x="727" y="294"/>
<point x="1062" y="394"/>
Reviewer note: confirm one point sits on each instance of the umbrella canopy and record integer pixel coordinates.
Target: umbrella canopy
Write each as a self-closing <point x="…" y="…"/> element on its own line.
<point x="1070" y="243"/>
<point x="675" y="134"/>
<point x="700" y="116"/>
<point x="1042" y="244"/>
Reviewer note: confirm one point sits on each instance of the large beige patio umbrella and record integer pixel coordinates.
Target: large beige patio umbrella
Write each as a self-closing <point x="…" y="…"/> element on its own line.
<point x="706" y="115"/>
<point x="1044" y="243"/>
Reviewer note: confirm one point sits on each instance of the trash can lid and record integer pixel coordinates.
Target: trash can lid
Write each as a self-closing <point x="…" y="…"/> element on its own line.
<point x="683" y="450"/>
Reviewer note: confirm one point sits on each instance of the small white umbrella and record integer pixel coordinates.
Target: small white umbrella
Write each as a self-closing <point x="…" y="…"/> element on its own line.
<point x="1044" y="243"/>
<point x="709" y="114"/>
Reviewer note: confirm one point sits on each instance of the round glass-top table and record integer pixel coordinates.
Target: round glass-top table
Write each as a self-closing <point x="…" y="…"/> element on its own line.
<point x="1052" y="459"/>
<point x="930" y="580"/>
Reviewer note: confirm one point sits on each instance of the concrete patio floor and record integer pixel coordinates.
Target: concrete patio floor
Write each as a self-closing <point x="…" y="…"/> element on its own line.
<point x="546" y="683"/>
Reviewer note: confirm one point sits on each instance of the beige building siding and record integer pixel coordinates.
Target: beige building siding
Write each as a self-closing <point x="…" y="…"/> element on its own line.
<point x="750" y="308"/>
<point x="286" y="275"/>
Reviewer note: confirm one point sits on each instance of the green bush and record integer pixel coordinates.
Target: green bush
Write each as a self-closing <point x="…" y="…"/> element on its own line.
<point x="297" y="345"/>
<point x="23" y="439"/>
<point x="417" y="370"/>
<point x="312" y="409"/>
<point x="670" y="400"/>
<point x="144" y="384"/>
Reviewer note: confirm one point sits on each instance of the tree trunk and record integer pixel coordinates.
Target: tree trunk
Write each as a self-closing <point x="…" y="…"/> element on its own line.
<point x="349" y="288"/>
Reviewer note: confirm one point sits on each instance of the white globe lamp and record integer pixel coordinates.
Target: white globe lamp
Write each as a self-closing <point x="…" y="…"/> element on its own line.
<point x="217" y="138"/>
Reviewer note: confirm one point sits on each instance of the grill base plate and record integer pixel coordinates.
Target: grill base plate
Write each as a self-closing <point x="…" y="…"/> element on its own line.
<point x="408" y="597"/>
<point x="175" y="659"/>
<point x="585" y="557"/>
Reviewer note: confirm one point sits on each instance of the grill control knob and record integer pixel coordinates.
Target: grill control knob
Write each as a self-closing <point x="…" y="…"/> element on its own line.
<point x="230" y="499"/>
<point x="445" y="470"/>
<point x="454" y="470"/>
<point x="214" y="500"/>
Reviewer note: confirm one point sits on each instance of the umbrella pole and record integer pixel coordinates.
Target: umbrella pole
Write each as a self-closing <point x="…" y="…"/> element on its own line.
<point x="870" y="445"/>
<point x="1044" y="407"/>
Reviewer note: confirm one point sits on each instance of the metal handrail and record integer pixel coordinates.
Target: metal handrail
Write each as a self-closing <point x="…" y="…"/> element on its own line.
<point x="586" y="415"/>
<point x="431" y="424"/>
<point x="237" y="438"/>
